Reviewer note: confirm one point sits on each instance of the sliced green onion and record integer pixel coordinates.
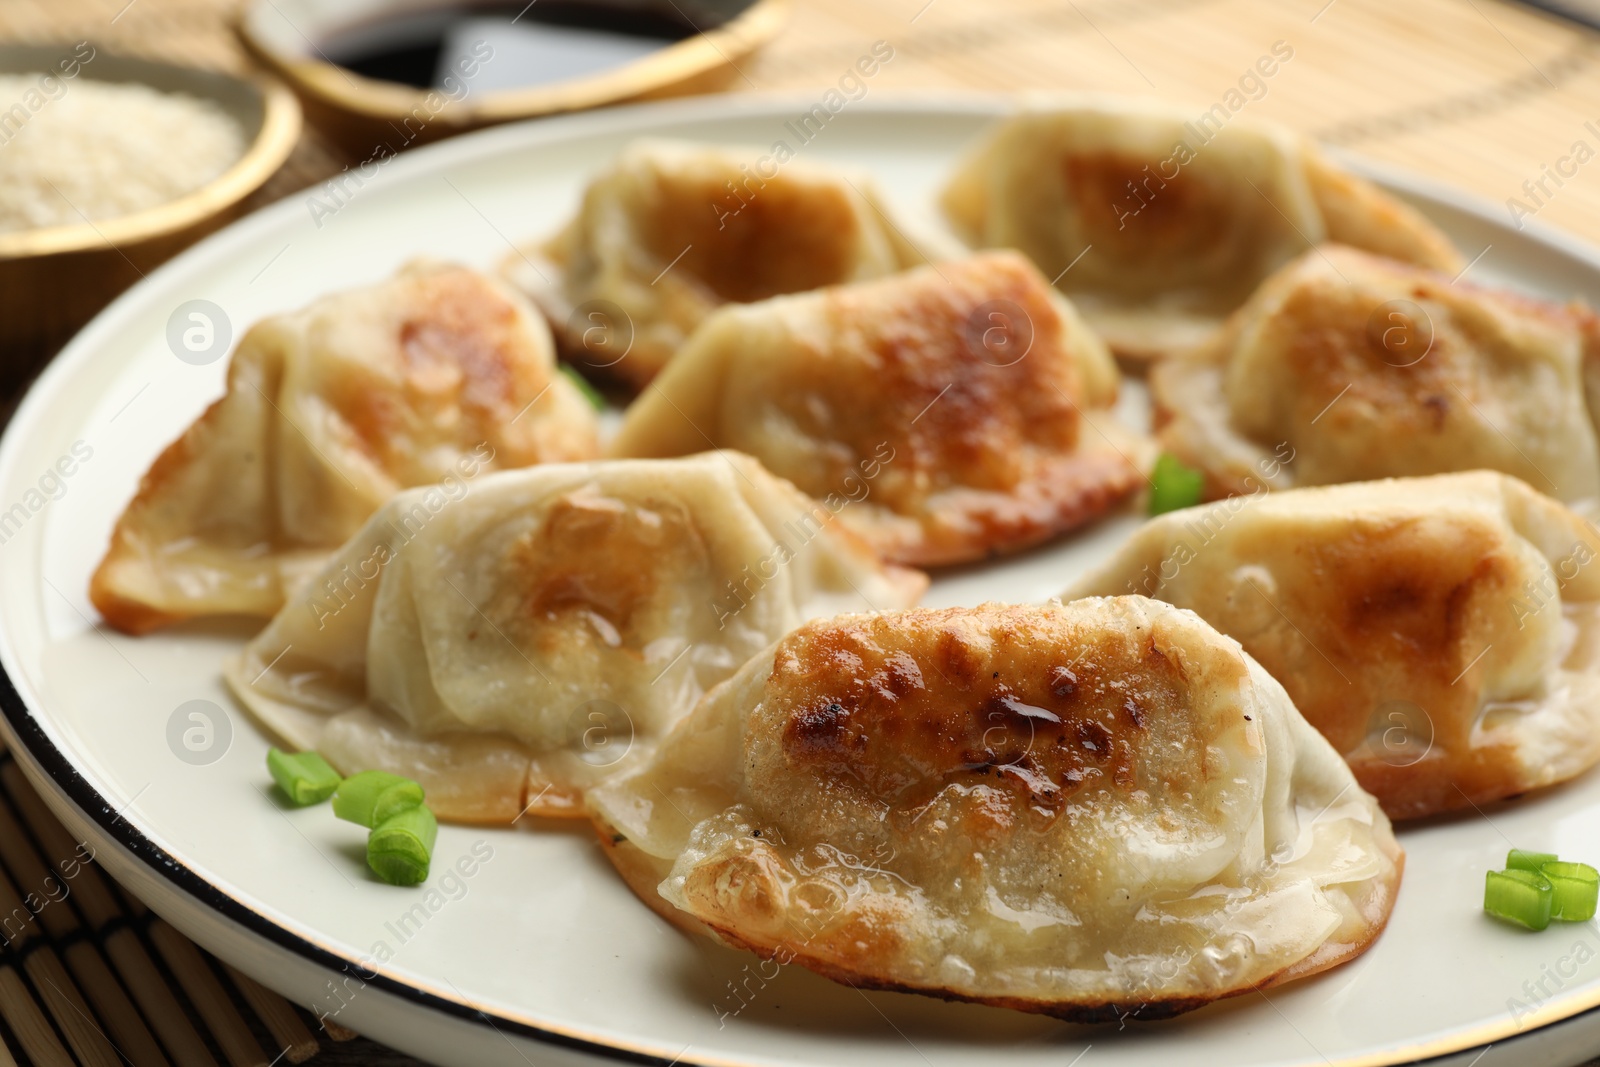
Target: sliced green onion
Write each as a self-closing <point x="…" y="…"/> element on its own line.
<point x="399" y="850"/>
<point x="1576" y="888"/>
<point x="372" y="797"/>
<point x="1521" y="897"/>
<point x="305" y="777"/>
<point x="590" y="393"/>
<point x="1518" y="860"/>
<point x="1174" y="485"/>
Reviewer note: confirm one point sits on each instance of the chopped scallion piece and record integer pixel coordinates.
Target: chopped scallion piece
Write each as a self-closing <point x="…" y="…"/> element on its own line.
<point x="1576" y="888"/>
<point x="590" y="393"/>
<point x="1518" y="860"/>
<point x="1174" y="485"/>
<point x="305" y="777"/>
<point x="399" y="850"/>
<point x="372" y="797"/>
<point x="1521" y="897"/>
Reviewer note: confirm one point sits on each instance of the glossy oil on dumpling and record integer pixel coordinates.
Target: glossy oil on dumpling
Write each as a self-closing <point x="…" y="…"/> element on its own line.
<point x="1443" y="633"/>
<point x="1091" y="810"/>
<point x="671" y="230"/>
<point x="513" y="643"/>
<point x="438" y="374"/>
<point x="1176" y="218"/>
<point x="946" y="414"/>
<point x="1346" y="367"/>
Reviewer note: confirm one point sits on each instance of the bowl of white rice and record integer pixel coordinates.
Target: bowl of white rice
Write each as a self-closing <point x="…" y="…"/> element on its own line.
<point x="109" y="165"/>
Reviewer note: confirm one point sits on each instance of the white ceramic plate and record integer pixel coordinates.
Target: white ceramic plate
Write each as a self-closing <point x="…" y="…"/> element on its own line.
<point x="541" y="956"/>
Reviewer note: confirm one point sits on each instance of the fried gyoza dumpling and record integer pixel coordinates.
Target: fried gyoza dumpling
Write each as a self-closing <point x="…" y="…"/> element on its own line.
<point x="509" y="644"/>
<point x="946" y="414"/>
<point x="1346" y="367"/>
<point x="1083" y="809"/>
<point x="672" y="230"/>
<point x="436" y="375"/>
<point x="1443" y="633"/>
<point x="1176" y="219"/>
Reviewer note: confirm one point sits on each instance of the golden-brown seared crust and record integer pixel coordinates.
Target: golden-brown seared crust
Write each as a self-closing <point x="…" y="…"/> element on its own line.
<point x="670" y="231"/>
<point x="1346" y="366"/>
<point x="587" y="564"/>
<point x="1084" y="810"/>
<point x="945" y="414"/>
<point x="1019" y="716"/>
<point x="789" y="237"/>
<point x="1184" y="221"/>
<point x="960" y="410"/>
<point x="130" y="616"/>
<point x="1440" y="632"/>
<point x="1062" y="495"/>
<point x="464" y="356"/>
<point x="434" y="374"/>
<point x="1415" y="607"/>
<point x="991" y="450"/>
<point x="126" y="613"/>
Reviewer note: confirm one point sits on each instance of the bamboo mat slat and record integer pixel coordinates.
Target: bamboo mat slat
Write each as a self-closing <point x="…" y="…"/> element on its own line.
<point x="1482" y="94"/>
<point x="90" y="978"/>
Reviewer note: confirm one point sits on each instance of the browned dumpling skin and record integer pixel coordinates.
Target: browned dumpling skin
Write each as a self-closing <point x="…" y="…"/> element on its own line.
<point x="1443" y="633"/>
<point x="946" y="414"/>
<point x="437" y="375"/>
<point x="1346" y="367"/>
<point x="1158" y="224"/>
<point x="671" y="230"/>
<point x="511" y="644"/>
<point x="1076" y="809"/>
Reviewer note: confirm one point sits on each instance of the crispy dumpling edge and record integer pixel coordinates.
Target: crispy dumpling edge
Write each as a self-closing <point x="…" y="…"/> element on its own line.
<point x="644" y="873"/>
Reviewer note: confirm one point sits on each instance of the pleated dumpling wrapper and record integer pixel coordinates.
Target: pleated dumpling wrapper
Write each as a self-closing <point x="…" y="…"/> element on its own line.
<point x="510" y="645"/>
<point x="672" y="230"/>
<point x="947" y="414"/>
<point x="1086" y="810"/>
<point x="1159" y="222"/>
<point x="436" y="375"/>
<point x="1346" y="367"/>
<point x="1443" y="633"/>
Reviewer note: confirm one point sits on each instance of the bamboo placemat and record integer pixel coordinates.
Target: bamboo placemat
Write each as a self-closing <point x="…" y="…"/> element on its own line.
<point x="89" y="976"/>
<point x="1481" y="94"/>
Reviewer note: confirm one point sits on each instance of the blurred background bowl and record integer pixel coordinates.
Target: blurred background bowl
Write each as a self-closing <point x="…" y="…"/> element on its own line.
<point x="54" y="279"/>
<point x="295" y="38"/>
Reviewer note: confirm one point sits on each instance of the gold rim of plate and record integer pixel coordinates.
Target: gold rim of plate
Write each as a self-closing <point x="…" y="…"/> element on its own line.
<point x="279" y="132"/>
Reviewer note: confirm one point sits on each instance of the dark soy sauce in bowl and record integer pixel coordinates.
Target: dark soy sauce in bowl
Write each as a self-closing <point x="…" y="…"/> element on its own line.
<point x="526" y="44"/>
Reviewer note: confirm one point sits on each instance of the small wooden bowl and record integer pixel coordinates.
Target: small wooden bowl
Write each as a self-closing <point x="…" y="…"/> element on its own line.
<point x="55" y="279"/>
<point x="362" y="113"/>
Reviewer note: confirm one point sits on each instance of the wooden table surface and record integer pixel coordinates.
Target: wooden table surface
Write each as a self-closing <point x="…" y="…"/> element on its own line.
<point x="1481" y="94"/>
